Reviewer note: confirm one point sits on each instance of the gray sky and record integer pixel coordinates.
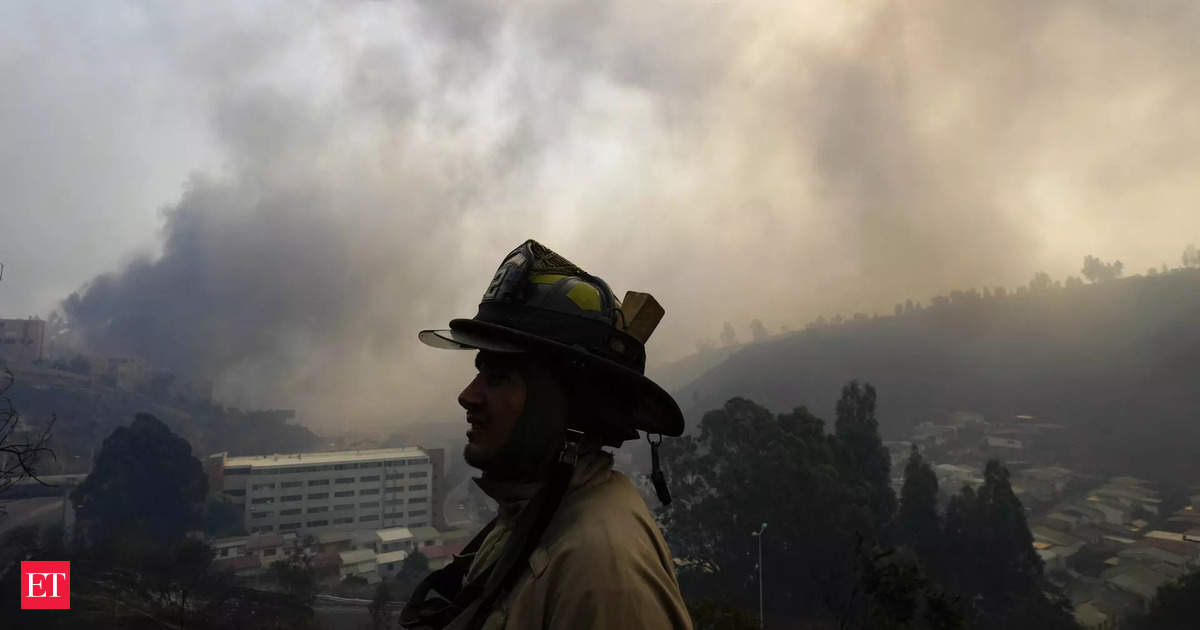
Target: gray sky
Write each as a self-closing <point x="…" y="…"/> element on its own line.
<point x="282" y="195"/>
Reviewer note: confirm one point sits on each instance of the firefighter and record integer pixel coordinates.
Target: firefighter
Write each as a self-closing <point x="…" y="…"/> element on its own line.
<point x="560" y="364"/>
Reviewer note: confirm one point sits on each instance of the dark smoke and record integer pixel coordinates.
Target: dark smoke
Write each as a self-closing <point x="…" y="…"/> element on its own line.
<point x="738" y="160"/>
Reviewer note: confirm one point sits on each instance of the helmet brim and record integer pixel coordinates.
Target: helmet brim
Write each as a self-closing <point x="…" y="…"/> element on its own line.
<point x="654" y="410"/>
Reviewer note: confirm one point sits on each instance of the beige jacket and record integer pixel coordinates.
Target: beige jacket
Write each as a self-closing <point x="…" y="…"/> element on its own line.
<point x="602" y="563"/>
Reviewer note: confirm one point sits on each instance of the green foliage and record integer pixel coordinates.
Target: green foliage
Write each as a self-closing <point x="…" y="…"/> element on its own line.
<point x="863" y="458"/>
<point x="146" y="484"/>
<point x="1041" y="282"/>
<point x="1191" y="257"/>
<point x="917" y="522"/>
<point x="989" y="559"/>
<point x="294" y="573"/>
<point x="412" y="571"/>
<point x="820" y="495"/>
<point x="1176" y="606"/>
<point x="1096" y="270"/>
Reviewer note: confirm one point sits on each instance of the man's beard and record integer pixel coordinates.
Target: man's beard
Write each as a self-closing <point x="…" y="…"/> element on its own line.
<point x="537" y="435"/>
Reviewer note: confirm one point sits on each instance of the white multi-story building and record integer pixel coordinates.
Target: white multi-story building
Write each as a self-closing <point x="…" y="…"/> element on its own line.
<point x="309" y="492"/>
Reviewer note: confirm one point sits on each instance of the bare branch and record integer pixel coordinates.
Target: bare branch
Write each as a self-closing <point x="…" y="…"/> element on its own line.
<point x="19" y="458"/>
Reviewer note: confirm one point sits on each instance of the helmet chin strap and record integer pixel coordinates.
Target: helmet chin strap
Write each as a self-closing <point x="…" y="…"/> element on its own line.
<point x="569" y="453"/>
<point x="656" y="473"/>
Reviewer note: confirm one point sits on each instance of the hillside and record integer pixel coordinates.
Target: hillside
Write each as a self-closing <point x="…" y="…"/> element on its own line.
<point x="1117" y="362"/>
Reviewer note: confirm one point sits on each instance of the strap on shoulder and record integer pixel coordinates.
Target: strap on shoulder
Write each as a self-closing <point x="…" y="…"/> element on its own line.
<point x="441" y="596"/>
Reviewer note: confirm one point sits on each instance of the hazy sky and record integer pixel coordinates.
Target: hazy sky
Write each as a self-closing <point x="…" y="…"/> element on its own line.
<point x="282" y="195"/>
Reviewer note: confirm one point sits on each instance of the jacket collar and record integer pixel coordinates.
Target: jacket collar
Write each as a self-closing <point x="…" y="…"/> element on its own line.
<point x="591" y="469"/>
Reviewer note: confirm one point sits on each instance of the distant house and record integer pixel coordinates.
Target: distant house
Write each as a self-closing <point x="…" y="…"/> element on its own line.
<point x="22" y="340"/>
<point x="390" y="563"/>
<point x="394" y="539"/>
<point x="1138" y="580"/>
<point x="360" y="563"/>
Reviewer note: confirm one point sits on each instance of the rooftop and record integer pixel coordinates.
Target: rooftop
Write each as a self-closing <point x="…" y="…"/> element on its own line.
<point x="338" y="535"/>
<point x="1139" y="580"/>
<point x="356" y="556"/>
<point x="394" y="534"/>
<point x="391" y="556"/>
<point x="425" y="533"/>
<point x="326" y="457"/>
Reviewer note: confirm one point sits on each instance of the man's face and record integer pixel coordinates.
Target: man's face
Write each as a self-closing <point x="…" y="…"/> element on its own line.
<point x="494" y="400"/>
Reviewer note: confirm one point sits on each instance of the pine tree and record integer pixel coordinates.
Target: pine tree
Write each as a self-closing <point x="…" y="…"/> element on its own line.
<point x="864" y="459"/>
<point x="989" y="557"/>
<point x="917" y="522"/>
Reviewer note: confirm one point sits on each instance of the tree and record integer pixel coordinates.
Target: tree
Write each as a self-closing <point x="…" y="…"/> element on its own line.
<point x="1176" y="606"/>
<point x="380" y="605"/>
<point x="865" y="462"/>
<point x="728" y="336"/>
<point x="758" y="331"/>
<point x="1096" y="270"/>
<point x="988" y="556"/>
<point x="1073" y="282"/>
<point x="1191" y="257"/>
<point x="294" y="573"/>
<point x="1041" y="281"/>
<point x="747" y="466"/>
<point x="145" y="485"/>
<point x="917" y="522"/>
<point x="412" y="571"/>
<point x="20" y="452"/>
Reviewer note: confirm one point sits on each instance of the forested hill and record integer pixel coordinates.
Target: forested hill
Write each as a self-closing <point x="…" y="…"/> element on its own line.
<point x="1118" y="362"/>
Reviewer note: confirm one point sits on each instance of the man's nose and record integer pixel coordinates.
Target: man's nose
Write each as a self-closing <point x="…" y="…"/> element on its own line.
<point x="471" y="397"/>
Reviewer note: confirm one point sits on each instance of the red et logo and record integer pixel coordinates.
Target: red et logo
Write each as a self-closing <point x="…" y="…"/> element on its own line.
<point x="46" y="585"/>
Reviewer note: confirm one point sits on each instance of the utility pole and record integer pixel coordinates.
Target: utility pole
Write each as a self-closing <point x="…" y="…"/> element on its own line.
<point x="758" y="535"/>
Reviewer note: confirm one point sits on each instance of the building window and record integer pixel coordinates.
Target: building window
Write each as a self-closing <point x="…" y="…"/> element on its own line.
<point x="237" y="471"/>
<point x="346" y="519"/>
<point x="291" y="497"/>
<point x="262" y="500"/>
<point x="317" y="523"/>
<point x="261" y="514"/>
<point x="394" y="502"/>
<point x="263" y="486"/>
<point x="287" y="526"/>
<point x="289" y="512"/>
<point x="369" y="504"/>
<point x="344" y="480"/>
<point x="395" y="476"/>
<point x="291" y="484"/>
<point x="368" y="491"/>
<point x="412" y="500"/>
<point x="416" y="513"/>
<point x="419" y="486"/>
<point x="344" y="493"/>
<point x="418" y="474"/>
<point x="318" y="495"/>
<point x="318" y="482"/>
<point x="394" y="515"/>
<point x="341" y="508"/>
<point x="267" y="553"/>
<point x="236" y="493"/>
<point x="368" y="517"/>
<point x="322" y="508"/>
<point x="369" y="478"/>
